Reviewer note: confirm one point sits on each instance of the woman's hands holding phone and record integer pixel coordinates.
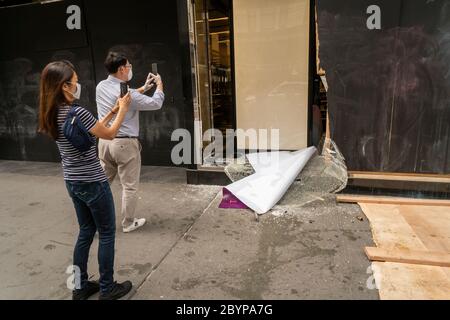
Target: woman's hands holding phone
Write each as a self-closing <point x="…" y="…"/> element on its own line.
<point x="102" y="129"/>
<point x="124" y="102"/>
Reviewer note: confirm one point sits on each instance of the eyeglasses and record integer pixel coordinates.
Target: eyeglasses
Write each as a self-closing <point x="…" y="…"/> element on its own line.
<point x="129" y="66"/>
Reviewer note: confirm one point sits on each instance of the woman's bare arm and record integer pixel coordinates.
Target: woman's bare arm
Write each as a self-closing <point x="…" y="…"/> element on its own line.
<point x="109" y="133"/>
<point x="105" y="121"/>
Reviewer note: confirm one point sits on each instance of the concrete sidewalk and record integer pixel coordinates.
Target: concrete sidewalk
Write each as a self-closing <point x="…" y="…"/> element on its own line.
<point x="190" y="249"/>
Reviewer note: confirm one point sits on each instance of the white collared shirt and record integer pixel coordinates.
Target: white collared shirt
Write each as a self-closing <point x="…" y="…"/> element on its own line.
<point x="107" y="93"/>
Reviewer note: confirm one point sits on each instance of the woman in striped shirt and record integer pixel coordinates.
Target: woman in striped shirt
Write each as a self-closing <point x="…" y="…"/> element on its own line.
<point x="85" y="179"/>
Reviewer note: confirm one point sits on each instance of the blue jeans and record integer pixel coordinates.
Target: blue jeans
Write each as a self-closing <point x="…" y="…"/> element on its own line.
<point x="94" y="206"/>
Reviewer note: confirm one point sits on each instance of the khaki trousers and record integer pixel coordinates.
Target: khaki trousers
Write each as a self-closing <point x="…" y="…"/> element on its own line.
<point x="122" y="157"/>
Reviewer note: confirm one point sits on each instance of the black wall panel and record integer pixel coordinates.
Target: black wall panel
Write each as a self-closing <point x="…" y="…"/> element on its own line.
<point x="33" y="35"/>
<point x="389" y="95"/>
<point x="147" y="31"/>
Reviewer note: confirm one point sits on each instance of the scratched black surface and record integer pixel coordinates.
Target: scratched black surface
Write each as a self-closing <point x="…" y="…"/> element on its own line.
<point x="148" y="33"/>
<point x="34" y="35"/>
<point x="389" y="96"/>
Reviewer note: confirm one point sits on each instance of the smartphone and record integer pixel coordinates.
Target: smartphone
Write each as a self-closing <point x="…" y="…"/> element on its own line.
<point x="123" y="89"/>
<point x="155" y="69"/>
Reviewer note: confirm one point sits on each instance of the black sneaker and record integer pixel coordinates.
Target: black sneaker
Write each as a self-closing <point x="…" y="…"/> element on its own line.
<point x="83" y="294"/>
<point x="118" y="291"/>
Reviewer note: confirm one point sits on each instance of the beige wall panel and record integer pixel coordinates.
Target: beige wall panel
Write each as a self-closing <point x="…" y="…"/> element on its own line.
<point x="271" y="57"/>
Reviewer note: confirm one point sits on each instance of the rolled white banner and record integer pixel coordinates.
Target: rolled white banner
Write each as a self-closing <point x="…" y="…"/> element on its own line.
<point x="275" y="173"/>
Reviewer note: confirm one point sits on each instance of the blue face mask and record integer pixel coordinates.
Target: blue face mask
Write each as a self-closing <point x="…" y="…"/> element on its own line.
<point x="77" y="93"/>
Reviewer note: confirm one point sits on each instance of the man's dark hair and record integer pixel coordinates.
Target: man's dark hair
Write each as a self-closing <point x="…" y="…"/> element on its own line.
<point x="114" y="61"/>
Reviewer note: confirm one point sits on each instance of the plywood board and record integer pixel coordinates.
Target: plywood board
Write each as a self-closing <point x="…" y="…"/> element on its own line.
<point x="415" y="228"/>
<point x="399" y="177"/>
<point x="431" y="224"/>
<point x="390" y="229"/>
<point x="421" y="257"/>
<point x="400" y="281"/>
<point x="348" y="198"/>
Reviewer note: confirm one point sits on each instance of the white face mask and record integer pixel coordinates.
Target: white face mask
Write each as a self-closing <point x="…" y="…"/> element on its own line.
<point x="130" y="74"/>
<point x="77" y="93"/>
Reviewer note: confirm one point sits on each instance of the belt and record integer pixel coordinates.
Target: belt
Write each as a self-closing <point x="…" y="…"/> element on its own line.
<point x="126" y="137"/>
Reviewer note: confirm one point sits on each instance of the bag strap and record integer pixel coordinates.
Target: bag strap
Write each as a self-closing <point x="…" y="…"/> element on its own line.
<point x="72" y="112"/>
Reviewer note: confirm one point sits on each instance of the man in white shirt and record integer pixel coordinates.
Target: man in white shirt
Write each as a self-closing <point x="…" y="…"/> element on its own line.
<point x="122" y="156"/>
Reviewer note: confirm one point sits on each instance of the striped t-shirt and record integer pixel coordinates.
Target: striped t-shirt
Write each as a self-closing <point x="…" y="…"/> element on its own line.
<point x="79" y="166"/>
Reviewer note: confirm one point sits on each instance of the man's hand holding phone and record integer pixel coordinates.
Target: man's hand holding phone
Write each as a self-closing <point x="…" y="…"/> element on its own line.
<point x="149" y="83"/>
<point x="155" y="78"/>
<point x="157" y="81"/>
<point x="152" y="80"/>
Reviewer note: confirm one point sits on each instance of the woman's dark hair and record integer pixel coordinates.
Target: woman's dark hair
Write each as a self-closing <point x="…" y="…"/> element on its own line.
<point x="51" y="96"/>
<point x="114" y="61"/>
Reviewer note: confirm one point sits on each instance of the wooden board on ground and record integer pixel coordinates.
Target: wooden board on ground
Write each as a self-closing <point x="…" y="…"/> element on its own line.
<point x="415" y="228"/>
<point x="399" y="176"/>
<point x="349" y="198"/>
<point x="401" y="281"/>
<point x="422" y="257"/>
